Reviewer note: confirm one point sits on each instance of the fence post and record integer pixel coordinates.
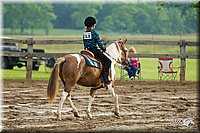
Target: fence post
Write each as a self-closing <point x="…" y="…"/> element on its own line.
<point x="182" y="59"/>
<point x="29" y="59"/>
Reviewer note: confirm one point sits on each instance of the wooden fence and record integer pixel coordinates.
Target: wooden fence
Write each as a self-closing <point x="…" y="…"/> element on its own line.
<point x="30" y="54"/>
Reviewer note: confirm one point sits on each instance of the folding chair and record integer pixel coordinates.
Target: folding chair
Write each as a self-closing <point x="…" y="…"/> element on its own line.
<point x="124" y="73"/>
<point x="139" y="72"/>
<point x="166" y="71"/>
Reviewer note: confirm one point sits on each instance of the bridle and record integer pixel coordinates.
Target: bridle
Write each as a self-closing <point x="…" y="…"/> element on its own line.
<point x="125" y="50"/>
<point x="118" y="60"/>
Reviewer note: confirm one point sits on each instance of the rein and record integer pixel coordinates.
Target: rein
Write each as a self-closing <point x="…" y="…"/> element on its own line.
<point x="112" y="57"/>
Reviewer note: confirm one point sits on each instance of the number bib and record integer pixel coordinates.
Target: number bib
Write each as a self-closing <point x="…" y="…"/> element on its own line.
<point x="87" y="35"/>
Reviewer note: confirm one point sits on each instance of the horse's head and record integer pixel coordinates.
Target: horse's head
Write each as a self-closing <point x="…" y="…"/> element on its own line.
<point x="124" y="52"/>
<point x="118" y="51"/>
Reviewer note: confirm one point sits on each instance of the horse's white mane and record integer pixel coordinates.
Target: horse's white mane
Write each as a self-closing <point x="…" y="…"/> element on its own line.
<point x="113" y="51"/>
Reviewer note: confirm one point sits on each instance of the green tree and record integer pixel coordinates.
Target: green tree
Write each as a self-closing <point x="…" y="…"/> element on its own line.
<point x="119" y="18"/>
<point x="191" y="20"/>
<point x="81" y="11"/>
<point x="9" y="11"/>
<point x="175" y="22"/>
<point x="63" y="12"/>
<point x="142" y="18"/>
<point x="146" y="18"/>
<point x="43" y="17"/>
<point x="31" y="15"/>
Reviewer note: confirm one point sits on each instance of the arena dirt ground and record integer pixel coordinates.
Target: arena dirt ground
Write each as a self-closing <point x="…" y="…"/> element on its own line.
<point x="144" y="106"/>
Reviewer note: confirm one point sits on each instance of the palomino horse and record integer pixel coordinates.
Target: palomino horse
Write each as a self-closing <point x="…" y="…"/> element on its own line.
<point x="72" y="69"/>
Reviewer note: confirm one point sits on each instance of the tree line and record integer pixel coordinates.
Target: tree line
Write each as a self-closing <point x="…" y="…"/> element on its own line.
<point x="144" y="18"/>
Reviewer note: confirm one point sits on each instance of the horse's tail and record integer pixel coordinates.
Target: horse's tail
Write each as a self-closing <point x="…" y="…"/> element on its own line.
<point x="52" y="88"/>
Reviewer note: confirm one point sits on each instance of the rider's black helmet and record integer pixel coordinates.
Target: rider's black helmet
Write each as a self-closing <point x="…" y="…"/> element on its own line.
<point x="89" y="21"/>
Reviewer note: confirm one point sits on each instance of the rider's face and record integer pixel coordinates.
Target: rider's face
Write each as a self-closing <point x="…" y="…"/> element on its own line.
<point x="94" y="26"/>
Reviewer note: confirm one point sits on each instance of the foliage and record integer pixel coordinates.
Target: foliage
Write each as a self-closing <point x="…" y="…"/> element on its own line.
<point x="81" y="12"/>
<point x="30" y="16"/>
<point x="144" y="18"/>
<point x="132" y="18"/>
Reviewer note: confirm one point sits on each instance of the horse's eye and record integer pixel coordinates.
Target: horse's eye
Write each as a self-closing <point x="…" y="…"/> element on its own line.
<point x="126" y="50"/>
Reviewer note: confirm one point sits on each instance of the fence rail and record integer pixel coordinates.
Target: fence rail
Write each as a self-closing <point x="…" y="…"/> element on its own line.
<point x="19" y="54"/>
<point x="77" y="41"/>
<point x="30" y="54"/>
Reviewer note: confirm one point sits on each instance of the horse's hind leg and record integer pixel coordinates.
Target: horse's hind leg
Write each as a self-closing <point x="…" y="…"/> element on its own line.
<point x="62" y="99"/>
<point x="91" y="99"/>
<point x="66" y="94"/>
<point x="75" y="111"/>
<point x="115" y="97"/>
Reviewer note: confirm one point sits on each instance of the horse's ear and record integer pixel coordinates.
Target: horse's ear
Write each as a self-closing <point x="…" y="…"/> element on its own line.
<point x="125" y="41"/>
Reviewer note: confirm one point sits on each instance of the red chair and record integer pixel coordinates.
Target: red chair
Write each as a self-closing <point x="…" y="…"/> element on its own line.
<point x="166" y="71"/>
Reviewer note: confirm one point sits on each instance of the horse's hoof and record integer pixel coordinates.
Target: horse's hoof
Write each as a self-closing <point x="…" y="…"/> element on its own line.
<point x="117" y="114"/>
<point x="89" y="114"/>
<point x="76" y="114"/>
<point x="58" y="116"/>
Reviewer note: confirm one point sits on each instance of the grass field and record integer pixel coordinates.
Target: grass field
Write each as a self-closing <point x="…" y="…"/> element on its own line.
<point x="149" y="71"/>
<point x="107" y="35"/>
<point x="149" y="65"/>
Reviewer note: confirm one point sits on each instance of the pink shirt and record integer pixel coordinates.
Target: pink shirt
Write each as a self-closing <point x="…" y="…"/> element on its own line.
<point x="133" y="61"/>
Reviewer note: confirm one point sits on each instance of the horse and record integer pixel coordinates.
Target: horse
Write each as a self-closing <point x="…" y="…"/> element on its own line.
<point x="72" y="69"/>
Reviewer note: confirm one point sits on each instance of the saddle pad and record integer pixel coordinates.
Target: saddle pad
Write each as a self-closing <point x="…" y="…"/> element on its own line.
<point x="91" y="62"/>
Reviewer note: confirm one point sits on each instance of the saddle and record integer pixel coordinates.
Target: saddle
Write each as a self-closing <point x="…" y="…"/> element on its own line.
<point x="90" y="59"/>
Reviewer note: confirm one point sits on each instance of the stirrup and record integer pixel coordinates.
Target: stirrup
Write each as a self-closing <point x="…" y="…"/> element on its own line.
<point x="107" y="82"/>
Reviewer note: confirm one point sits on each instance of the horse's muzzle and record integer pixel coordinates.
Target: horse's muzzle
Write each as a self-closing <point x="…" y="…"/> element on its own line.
<point x="125" y="63"/>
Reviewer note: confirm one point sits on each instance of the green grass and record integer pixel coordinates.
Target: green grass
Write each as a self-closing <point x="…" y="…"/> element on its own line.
<point x="141" y="49"/>
<point x="149" y="65"/>
<point x="20" y="73"/>
<point x="107" y="35"/>
<point x="149" y="71"/>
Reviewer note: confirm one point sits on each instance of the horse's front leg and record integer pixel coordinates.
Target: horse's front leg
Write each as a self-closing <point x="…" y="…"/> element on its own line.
<point x="91" y="99"/>
<point x="115" y="97"/>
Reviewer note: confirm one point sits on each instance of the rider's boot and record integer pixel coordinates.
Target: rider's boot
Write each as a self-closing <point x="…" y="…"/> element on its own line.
<point x="106" y="79"/>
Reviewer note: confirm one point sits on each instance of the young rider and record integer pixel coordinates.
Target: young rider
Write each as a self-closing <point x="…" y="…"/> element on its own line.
<point x="93" y="43"/>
